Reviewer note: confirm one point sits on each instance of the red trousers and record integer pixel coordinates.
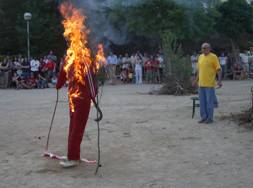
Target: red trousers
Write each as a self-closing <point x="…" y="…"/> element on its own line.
<point x="80" y="114"/>
<point x="78" y="120"/>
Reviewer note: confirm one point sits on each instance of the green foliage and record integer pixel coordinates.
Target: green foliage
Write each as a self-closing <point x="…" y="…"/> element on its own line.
<point x="152" y="18"/>
<point x="203" y="23"/>
<point x="45" y="27"/>
<point x="177" y="67"/>
<point x="236" y="20"/>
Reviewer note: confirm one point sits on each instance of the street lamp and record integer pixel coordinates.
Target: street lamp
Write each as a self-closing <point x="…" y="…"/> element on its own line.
<point x="28" y="17"/>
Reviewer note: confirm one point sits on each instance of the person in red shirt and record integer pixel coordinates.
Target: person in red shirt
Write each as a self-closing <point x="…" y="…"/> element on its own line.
<point x="80" y="97"/>
<point x="50" y="67"/>
<point x="148" y="70"/>
<point x="155" y="69"/>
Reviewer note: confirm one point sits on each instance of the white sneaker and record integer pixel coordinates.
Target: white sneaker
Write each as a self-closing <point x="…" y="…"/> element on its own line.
<point x="69" y="163"/>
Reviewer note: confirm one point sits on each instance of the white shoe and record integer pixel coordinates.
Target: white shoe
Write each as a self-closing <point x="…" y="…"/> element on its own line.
<point x="69" y="163"/>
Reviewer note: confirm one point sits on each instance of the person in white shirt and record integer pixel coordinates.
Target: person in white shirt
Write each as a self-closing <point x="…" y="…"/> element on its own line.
<point x="35" y="64"/>
<point x="223" y="62"/>
<point x="194" y="60"/>
<point x="126" y="62"/>
<point x="138" y="70"/>
<point x="245" y="61"/>
<point x="250" y="55"/>
<point x="111" y="63"/>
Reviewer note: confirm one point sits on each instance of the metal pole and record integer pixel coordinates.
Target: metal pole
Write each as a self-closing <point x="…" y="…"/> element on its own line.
<point x="28" y="41"/>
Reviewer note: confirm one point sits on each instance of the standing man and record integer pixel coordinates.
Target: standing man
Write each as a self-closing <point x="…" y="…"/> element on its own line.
<point x="34" y="65"/>
<point x="80" y="96"/>
<point x="250" y="60"/>
<point x="138" y="70"/>
<point x="207" y="68"/>
<point x="111" y="62"/>
<point x="223" y="62"/>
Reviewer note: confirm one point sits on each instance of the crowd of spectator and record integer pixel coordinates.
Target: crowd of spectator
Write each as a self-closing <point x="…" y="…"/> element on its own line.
<point x="236" y="68"/>
<point x="136" y="68"/>
<point x="19" y="73"/>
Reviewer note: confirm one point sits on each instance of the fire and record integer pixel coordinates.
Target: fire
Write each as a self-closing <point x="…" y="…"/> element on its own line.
<point x="100" y="58"/>
<point x="78" y="58"/>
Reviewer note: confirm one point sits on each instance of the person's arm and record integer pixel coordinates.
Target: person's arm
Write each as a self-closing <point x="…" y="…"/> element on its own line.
<point x="5" y="67"/>
<point x="195" y="81"/>
<point x="219" y="73"/>
<point x="61" y="78"/>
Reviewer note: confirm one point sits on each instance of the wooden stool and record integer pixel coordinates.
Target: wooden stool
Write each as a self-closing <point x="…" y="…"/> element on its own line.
<point x="194" y="104"/>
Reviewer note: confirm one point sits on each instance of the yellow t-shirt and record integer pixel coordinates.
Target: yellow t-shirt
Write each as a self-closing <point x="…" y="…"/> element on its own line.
<point x="208" y="65"/>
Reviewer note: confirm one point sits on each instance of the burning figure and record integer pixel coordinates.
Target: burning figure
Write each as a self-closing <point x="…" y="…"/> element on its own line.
<point x="79" y="71"/>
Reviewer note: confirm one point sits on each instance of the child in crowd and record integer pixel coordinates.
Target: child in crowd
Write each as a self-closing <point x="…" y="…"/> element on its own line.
<point x="41" y="81"/>
<point x="31" y="82"/>
<point x="130" y="74"/>
<point x="53" y="82"/>
<point x="149" y="70"/>
<point x="16" y="80"/>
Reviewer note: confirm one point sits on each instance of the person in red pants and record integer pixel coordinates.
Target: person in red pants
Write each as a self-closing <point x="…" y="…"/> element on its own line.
<point x="80" y="96"/>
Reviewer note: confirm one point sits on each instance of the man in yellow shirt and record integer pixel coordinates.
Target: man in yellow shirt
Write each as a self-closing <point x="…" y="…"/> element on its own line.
<point x="207" y="68"/>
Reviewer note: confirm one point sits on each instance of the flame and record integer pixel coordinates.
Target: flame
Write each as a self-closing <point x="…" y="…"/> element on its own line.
<point x="78" y="59"/>
<point x="76" y="33"/>
<point x="100" y="57"/>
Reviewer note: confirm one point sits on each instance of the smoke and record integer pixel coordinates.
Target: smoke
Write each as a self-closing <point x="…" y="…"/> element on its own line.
<point x="102" y="30"/>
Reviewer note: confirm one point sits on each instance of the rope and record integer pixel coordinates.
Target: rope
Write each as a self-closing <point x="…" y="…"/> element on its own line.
<point x="98" y="141"/>
<point x="98" y="119"/>
<point x="52" y="120"/>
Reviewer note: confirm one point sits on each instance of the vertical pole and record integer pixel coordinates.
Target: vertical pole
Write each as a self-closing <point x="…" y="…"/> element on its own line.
<point x="28" y="41"/>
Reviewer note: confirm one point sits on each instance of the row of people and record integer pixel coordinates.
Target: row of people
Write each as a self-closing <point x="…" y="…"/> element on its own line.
<point x="135" y="68"/>
<point x="234" y="68"/>
<point x="18" y="72"/>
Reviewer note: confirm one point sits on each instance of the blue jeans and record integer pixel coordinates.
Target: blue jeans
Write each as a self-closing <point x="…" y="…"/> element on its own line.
<point x="41" y="84"/>
<point x="207" y="99"/>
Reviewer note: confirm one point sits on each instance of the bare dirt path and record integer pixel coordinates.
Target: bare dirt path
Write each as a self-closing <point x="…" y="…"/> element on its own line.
<point x="147" y="141"/>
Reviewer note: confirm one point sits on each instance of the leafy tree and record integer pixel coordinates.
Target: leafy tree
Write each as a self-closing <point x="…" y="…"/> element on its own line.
<point x="236" y="21"/>
<point x="152" y="18"/>
<point x="8" y="21"/>
<point x="45" y="27"/>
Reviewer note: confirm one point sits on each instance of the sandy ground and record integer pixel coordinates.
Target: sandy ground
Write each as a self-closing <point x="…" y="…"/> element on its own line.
<point x="147" y="141"/>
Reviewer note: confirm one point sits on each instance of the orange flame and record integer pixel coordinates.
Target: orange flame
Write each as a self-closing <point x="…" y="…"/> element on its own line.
<point x="78" y="58"/>
<point x="100" y="57"/>
<point x="78" y="55"/>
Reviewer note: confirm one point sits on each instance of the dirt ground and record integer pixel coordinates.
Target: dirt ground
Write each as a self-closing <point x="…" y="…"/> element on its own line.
<point x="147" y="141"/>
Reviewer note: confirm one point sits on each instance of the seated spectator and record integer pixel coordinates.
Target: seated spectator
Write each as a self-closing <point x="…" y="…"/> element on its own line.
<point x="16" y="80"/>
<point x="238" y="72"/>
<point x="126" y="61"/>
<point x="41" y="81"/>
<point x="130" y="74"/>
<point x="29" y="83"/>
<point x="53" y="82"/>
<point x="123" y="76"/>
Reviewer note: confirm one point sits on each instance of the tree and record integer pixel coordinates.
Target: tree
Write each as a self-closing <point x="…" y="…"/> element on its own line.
<point x="153" y="17"/>
<point x="8" y="21"/>
<point x="45" y="27"/>
<point x="235" y="23"/>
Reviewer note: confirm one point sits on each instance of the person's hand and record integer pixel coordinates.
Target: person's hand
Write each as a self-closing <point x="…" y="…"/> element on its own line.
<point x="219" y="84"/>
<point x="194" y="83"/>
